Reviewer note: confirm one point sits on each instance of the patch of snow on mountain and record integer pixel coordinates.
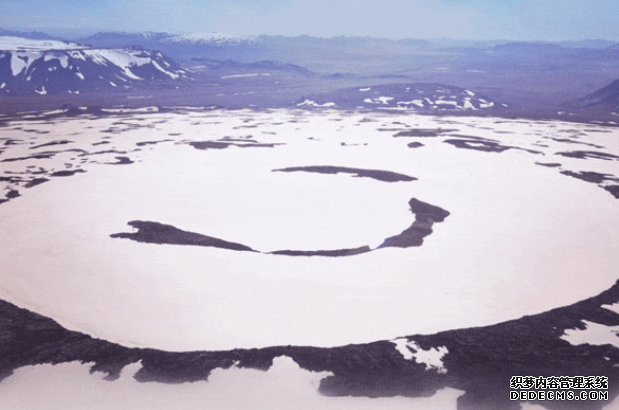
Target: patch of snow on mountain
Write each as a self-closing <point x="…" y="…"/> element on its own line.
<point x="62" y="57"/>
<point x="21" y="60"/>
<point x="158" y="67"/>
<point x="8" y="43"/>
<point x="315" y="104"/>
<point x="42" y="92"/>
<point x="432" y="358"/>
<point x="365" y="89"/>
<point x="239" y="75"/>
<point x="384" y="100"/>
<point x="124" y="59"/>
<point x="217" y="38"/>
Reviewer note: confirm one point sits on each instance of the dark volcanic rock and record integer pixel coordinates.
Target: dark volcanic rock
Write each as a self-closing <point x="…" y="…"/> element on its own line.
<point x="153" y="232"/>
<point x="385" y="176"/>
<point x="13" y="193"/>
<point x="589" y="154"/>
<point x="66" y="173"/>
<point x="122" y="161"/>
<point x="425" y="216"/>
<point x="222" y="145"/>
<point x="589" y="176"/>
<point x="485" y="146"/>
<point x="613" y="189"/>
<point x="424" y="132"/>
<point x="48" y="144"/>
<point x="35" y="182"/>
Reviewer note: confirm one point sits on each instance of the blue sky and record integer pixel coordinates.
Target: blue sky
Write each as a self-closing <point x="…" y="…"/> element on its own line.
<point x="459" y="19"/>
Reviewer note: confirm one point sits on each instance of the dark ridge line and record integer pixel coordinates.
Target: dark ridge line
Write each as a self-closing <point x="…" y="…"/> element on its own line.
<point x="480" y="361"/>
<point x="414" y="145"/>
<point x="143" y="143"/>
<point x="589" y="154"/>
<point x="384" y="176"/>
<point x="487" y="146"/>
<point x="154" y="232"/>
<point x="48" y="144"/>
<point x="549" y="165"/>
<point x="37" y="156"/>
<point x="423" y="132"/>
<point x="569" y="141"/>
<point x="334" y="253"/>
<point x="590" y="176"/>
<point x="204" y="145"/>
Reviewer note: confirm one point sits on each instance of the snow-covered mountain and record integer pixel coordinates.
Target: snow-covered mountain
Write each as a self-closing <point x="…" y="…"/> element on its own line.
<point x="30" y="67"/>
<point x="417" y="97"/>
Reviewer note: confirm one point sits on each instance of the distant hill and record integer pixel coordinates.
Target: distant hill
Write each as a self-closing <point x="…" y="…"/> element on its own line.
<point x="604" y="98"/>
<point x="30" y="67"/>
<point x="33" y="35"/>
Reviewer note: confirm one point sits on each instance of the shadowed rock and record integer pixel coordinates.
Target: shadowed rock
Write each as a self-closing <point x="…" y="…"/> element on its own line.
<point x="203" y="145"/>
<point x="35" y="182"/>
<point x="385" y="176"/>
<point x="590" y="176"/>
<point x="66" y="173"/>
<point x="153" y="232"/>
<point x="613" y="189"/>
<point x="589" y="154"/>
<point x="424" y="132"/>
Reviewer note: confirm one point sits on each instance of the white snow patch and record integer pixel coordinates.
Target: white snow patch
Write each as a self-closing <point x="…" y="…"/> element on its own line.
<point x="239" y="75"/>
<point x="2" y="86"/>
<point x="365" y="89"/>
<point x="384" y="100"/>
<point x="123" y="59"/>
<point x="614" y="307"/>
<point x="315" y="104"/>
<point x="61" y="57"/>
<point x="594" y="334"/>
<point x="158" y="67"/>
<point x="80" y="75"/>
<point x="432" y="358"/>
<point x="470" y="93"/>
<point x="285" y="386"/>
<point x="21" y="60"/>
<point x="42" y="92"/>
